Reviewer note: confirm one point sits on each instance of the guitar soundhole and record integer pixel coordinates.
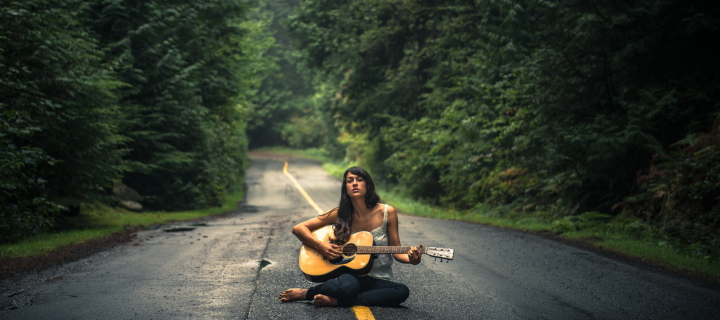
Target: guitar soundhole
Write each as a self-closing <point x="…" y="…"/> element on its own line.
<point x="349" y="250"/>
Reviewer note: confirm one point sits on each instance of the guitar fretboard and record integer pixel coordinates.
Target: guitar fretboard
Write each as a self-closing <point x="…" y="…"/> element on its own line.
<point x="387" y="249"/>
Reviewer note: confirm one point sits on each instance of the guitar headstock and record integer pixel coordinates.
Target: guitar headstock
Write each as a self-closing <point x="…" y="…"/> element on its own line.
<point x="442" y="253"/>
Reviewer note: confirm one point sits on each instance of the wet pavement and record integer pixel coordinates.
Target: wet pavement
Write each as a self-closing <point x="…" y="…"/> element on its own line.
<point x="235" y="267"/>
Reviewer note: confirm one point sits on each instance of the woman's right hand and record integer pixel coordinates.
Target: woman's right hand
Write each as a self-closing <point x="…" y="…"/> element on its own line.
<point x="329" y="250"/>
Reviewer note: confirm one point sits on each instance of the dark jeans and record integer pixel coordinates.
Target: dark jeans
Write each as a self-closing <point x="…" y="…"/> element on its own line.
<point x="350" y="290"/>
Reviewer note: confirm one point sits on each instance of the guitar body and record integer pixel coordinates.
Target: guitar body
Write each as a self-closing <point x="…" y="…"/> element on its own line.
<point x="317" y="268"/>
<point x="357" y="255"/>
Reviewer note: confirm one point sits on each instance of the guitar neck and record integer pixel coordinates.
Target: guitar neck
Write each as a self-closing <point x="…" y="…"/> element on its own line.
<point x="387" y="249"/>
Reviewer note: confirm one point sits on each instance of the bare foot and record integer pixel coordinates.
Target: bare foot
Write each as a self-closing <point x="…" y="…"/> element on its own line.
<point x="293" y="295"/>
<point x="324" y="301"/>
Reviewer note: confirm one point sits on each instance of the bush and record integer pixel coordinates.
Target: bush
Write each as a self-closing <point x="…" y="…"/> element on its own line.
<point x="680" y="191"/>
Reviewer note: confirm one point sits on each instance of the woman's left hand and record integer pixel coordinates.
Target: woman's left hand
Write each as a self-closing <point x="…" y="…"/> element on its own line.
<point x="414" y="255"/>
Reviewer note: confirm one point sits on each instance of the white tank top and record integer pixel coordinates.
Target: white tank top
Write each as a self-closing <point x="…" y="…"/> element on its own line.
<point x="382" y="266"/>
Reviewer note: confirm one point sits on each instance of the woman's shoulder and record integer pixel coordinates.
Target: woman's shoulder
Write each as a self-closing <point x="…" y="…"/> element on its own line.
<point x="390" y="209"/>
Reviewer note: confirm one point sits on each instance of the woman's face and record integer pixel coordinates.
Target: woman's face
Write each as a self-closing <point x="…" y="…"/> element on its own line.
<point x="355" y="185"/>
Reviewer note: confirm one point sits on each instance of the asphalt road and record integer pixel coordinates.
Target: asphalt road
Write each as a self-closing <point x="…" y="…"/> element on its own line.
<point x="235" y="267"/>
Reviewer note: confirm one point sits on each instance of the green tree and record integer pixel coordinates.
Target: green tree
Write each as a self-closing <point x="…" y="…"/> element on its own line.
<point x="59" y="144"/>
<point x="286" y="93"/>
<point x="191" y="68"/>
<point x="526" y="104"/>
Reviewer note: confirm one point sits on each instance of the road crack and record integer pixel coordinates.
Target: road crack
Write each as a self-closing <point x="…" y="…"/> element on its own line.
<point x="255" y="280"/>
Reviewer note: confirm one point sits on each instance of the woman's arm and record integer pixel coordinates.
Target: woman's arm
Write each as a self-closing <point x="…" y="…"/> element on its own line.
<point x="303" y="231"/>
<point x="413" y="256"/>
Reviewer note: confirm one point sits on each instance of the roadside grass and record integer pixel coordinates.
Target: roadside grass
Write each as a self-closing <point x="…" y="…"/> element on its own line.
<point x="621" y="235"/>
<point x="93" y="223"/>
<point x="618" y="234"/>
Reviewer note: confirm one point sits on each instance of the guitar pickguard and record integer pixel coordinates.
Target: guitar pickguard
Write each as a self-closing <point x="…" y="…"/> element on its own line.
<point x="341" y="260"/>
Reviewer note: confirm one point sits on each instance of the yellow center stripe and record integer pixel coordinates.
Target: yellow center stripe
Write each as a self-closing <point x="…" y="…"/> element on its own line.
<point x="361" y="312"/>
<point x="302" y="191"/>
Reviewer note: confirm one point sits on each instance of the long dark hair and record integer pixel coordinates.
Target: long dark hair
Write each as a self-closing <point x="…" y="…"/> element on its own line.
<point x="343" y="224"/>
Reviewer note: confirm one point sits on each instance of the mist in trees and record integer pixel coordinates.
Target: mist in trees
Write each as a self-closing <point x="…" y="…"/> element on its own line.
<point x="288" y="109"/>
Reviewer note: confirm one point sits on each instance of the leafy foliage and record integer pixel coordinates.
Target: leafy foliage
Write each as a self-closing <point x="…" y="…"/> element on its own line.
<point x="190" y="72"/>
<point x="151" y="93"/>
<point x="284" y="97"/>
<point x="59" y="140"/>
<point x="520" y="105"/>
<point x="679" y="191"/>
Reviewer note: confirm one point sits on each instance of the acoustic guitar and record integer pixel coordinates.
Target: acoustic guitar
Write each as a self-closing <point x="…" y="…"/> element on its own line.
<point x="357" y="255"/>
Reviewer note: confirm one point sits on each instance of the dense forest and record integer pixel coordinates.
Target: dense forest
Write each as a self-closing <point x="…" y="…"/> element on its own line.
<point x="502" y="106"/>
<point x="511" y="106"/>
<point x="151" y="93"/>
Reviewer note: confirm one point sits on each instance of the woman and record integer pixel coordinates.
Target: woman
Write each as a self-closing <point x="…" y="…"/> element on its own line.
<point x="359" y="210"/>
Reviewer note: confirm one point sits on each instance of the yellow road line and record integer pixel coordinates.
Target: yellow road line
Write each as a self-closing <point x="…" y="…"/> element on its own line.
<point x="300" y="188"/>
<point x="361" y="312"/>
